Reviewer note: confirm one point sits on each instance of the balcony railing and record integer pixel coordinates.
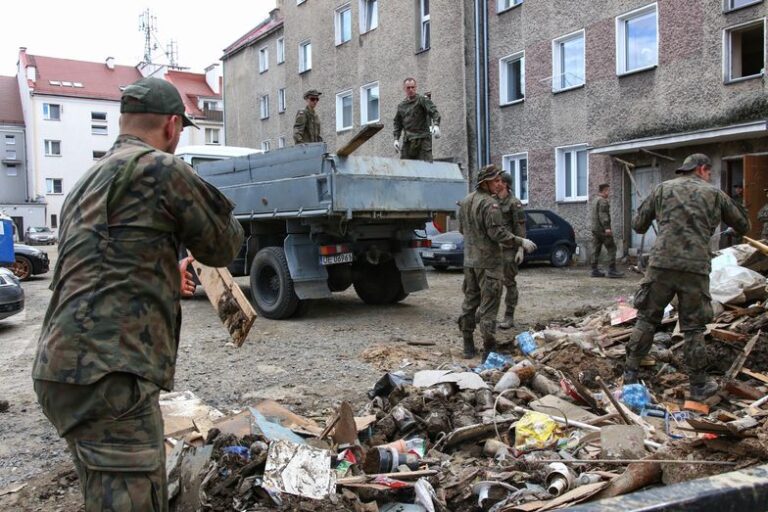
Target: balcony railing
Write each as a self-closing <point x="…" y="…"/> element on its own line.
<point x="213" y="115"/>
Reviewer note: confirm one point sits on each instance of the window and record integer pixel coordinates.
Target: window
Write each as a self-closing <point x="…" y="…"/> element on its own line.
<point x="212" y="136"/>
<point x="52" y="148"/>
<point x="568" y="62"/>
<point x="344" y="111"/>
<point x="10" y="154"/>
<point x="210" y="105"/>
<point x="263" y="59"/>
<point x="99" y="116"/>
<point x="10" y="139"/>
<point x="265" y="146"/>
<point x="98" y="154"/>
<point x="281" y="100"/>
<point x="280" y="142"/>
<point x="744" y="51"/>
<point x="53" y="186"/>
<point x="517" y="167"/>
<point x="11" y="170"/>
<point x="299" y="2"/>
<point x="538" y="220"/>
<point x="730" y="5"/>
<point x="305" y="56"/>
<point x="280" y="50"/>
<point x="54" y="221"/>
<point x="369" y="103"/>
<point x="98" y="129"/>
<point x="264" y="106"/>
<point x="369" y="15"/>
<point x="637" y="40"/>
<point x="51" y="111"/>
<point x="99" y="123"/>
<point x="424" y="25"/>
<point x="343" y="24"/>
<point x="571" y="173"/>
<point x="503" y="5"/>
<point x="512" y="79"/>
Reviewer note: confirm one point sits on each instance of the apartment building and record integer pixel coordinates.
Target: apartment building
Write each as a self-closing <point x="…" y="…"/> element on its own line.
<point x="620" y="91"/>
<point x="357" y="53"/>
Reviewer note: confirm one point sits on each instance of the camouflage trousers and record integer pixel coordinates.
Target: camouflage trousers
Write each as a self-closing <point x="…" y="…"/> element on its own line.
<point x="482" y="295"/>
<point x="114" y="430"/>
<point x="695" y="311"/>
<point x="417" y="149"/>
<point x="510" y="282"/>
<point x="600" y="240"/>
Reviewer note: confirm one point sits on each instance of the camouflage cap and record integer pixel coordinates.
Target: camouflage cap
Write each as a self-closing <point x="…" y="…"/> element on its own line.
<point x="487" y="173"/>
<point x="693" y="161"/>
<point x="154" y="96"/>
<point x="312" y="92"/>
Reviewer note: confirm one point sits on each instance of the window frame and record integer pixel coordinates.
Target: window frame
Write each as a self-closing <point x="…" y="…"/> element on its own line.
<point x="263" y="59"/>
<point x="500" y="8"/>
<point x="281" y="142"/>
<point x="11" y="154"/>
<point x="560" y="156"/>
<point x="281" y="104"/>
<point x="728" y="5"/>
<point x="364" y="103"/>
<point x="97" y="157"/>
<point x="365" y="24"/>
<point x="47" y="111"/>
<point x="340" y="110"/>
<point x="503" y="78"/>
<point x="621" y="39"/>
<point x="280" y="50"/>
<point x="11" y="170"/>
<point x="99" y="129"/>
<point x="52" y="182"/>
<point x="338" y="20"/>
<point x="264" y="106"/>
<point x="557" y="57"/>
<point x="425" y="20"/>
<point x="305" y="64"/>
<point x="515" y="171"/>
<point x="48" y="147"/>
<point x="10" y="140"/>
<point x="727" y="57"/>
<point x="266" y="146"/>
<point x="211" y="141"/>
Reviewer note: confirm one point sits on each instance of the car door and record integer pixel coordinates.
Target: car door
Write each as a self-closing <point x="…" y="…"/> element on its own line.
<point x="542" y="231"/>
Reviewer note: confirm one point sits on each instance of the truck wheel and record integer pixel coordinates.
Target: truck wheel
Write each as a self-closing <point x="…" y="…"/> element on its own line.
<point x="272" y="290"/>
<point x="379" y="284"/>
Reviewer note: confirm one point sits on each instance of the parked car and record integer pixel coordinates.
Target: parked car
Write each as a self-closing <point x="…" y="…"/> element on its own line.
<point x="11" y="294"/>
<point x="553" y="236"/>
<point x="30" y="261"/>
<point x="40" y="235"/>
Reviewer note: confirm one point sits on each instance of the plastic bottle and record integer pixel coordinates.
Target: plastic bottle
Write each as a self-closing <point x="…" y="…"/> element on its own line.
<point x="636" y="396"/>
<point x="525" y="342"/>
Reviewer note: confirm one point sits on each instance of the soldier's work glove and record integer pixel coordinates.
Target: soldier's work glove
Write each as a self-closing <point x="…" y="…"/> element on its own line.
<point x="397" y="145"/>
<point x="435" y="130"/>
<point x="528" y="245"/>
<point x="519" y="256"/>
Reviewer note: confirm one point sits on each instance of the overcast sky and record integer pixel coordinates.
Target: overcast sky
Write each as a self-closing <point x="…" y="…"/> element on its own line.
<point x="93" y="30"/>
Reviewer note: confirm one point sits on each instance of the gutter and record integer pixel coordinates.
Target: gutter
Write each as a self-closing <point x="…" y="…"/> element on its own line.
<point x="482" y="120"/>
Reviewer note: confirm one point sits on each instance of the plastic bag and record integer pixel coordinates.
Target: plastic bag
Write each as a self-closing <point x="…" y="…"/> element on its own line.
<point x="536" y="431"/>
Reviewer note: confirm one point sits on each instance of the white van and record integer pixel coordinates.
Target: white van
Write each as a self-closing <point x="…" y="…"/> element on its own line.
<point x="195" y="155"/>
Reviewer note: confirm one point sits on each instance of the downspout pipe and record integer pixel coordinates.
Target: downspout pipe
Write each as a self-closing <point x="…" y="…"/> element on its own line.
<point x="486" y="88"/>
<point x="478" y="96"/>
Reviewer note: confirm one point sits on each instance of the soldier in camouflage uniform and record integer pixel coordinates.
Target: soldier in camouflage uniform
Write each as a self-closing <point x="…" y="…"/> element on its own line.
<point x="602" y="235"/>
<point x="110" y="335"/>
<point x="762" y="216"/>
<point x="688" y="210"/>
<point x="481" y="223"/>
<point x="417" y="119"/>
<point x="306" y="127"/>
<point x="514" y="218"/>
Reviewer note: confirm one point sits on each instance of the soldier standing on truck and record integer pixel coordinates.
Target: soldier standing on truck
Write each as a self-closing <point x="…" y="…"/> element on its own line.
<point x="688" y="210"/>
<point x="485" y="233"/>
<point x="417" y="119"/>
<point x="602" y="234"/>
<point x="306" y="127"/>
<point x="514" y="218"/>
<point x="110" y="337"/>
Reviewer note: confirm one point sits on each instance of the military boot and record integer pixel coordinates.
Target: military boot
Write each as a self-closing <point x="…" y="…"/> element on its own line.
<point x="612" y="272"/>
<point x="509" y="320"/>
<point x="703" y="388"/>
<point x="469" y="345"/>
<point x="596" y="272"/>
<point x="631" y="376"/>
<point x="489" y="345"/>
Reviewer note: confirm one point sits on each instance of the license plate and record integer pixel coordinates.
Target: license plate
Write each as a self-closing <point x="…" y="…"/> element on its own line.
<point x="427" y="254"/>
<point x="345" y="257"/>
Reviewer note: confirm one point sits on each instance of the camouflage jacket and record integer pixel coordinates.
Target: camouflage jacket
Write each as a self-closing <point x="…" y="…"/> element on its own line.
<point x="601" y="214"/>
<point x="688" y="210"/>
<point x="115" y="302"/>
<point x="484" y="230"/>
<point x="762" y="216"/>
<point x="513" y="215"/>
<point x="413" y="118"/>
<point x="306" y="127"/>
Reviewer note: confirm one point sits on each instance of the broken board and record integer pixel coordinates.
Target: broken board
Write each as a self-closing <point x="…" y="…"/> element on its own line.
<point x="359" y="139"/>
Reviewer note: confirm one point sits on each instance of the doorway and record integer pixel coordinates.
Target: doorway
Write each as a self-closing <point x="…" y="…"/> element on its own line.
<point x="646" y="178"/>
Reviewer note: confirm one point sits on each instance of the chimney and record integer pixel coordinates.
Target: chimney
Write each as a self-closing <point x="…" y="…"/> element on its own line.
<point x="110" y="62"/>
<point x="274" y="13"/>
<point x="26" y="67"/>
<point x="212" y="75"/>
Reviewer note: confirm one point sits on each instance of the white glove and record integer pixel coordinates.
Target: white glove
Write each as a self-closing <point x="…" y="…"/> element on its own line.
<point x="519" y="257"/>
<point x="397" y="144"/>
<point x="435" y="130"/>
<point x="528" y="245"/>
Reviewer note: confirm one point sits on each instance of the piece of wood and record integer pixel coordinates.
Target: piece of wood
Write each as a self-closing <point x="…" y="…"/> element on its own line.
<point x="345" y="431"/>
<point x="755" y="375"/>
<point x="404" y="475"/>
<point x="692" y="405"/>
<point x="359" y="139"/>
<point x="742" y="390"/>
<point x="613" y="400"/>
<point x="229" y="301"/>
<point x="725" y="335"/>
<point x="738" y="364"/>
<point x="637" y="476"/>
<point x="757" y="245"/>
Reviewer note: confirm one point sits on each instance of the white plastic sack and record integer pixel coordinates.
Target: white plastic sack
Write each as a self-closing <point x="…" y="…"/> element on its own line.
<point x="733" y="284"/>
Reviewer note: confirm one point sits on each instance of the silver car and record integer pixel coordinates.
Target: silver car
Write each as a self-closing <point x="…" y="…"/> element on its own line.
<point x="11" y="294"/>
<point x="40" y="235"/>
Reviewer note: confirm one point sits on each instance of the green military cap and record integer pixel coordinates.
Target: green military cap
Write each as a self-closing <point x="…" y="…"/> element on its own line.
<point x="693" y="161"/>
<point x="154" y="96"/>
<point x="312" y="92"/>
<point x="487" y="173"/>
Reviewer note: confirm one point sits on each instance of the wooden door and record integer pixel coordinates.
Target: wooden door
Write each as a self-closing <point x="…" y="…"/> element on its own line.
<point x="755" y="181"/>
<point x="646" y="178"/>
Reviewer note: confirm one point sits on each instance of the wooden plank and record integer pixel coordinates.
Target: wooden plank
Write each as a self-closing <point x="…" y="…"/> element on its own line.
<point x="738" y="364"/>
<point x="725" y="335"/>
<point x="229" y="301"/>
<point x="757" y="376"/>
<point x="359" y="139"/>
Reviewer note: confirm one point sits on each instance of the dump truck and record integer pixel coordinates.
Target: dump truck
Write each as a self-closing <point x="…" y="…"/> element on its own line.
<point x="317" y="222"/>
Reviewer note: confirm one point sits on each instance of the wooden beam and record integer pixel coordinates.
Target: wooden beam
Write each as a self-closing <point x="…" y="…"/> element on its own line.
<point x="659" y="155"/>
<point x="359" y="139"/>
<point x="738" y="364"/>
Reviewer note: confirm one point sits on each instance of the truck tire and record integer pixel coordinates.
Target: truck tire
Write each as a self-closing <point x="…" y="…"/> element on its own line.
<point x="272" y="290"/>
<point x="379" y="284"/>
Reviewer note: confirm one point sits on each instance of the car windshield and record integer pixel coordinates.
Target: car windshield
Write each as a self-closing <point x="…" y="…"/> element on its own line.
<point x="430" y="231"/>
<point x="40" y="230"/>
